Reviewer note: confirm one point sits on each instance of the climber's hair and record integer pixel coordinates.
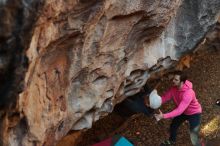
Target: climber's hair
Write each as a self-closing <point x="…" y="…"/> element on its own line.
<point x="183" y="76"/>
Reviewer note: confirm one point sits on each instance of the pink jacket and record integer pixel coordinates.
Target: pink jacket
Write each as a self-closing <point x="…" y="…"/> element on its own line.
<point x="184" y="99"/>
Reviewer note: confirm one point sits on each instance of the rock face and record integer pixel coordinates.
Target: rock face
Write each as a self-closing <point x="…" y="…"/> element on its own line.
<point x="74" y="60"/>
<point x="213" y="36"/>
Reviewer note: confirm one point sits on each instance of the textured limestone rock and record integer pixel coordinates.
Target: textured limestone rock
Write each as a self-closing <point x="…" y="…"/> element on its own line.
<point x="86" y="56"/>
<point x="213" y="36"/>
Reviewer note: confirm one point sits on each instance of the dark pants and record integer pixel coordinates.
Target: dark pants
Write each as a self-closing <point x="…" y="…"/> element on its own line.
<point x="133" y="105"/>
<point x="194" y="122"/>
<point x="137" y="105"/>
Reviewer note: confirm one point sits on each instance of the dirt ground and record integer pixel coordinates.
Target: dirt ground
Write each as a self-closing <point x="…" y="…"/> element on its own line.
<point x="145" y="131"/>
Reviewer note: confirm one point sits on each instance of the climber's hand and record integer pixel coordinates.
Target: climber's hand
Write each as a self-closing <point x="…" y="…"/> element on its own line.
<point x="146" y="101"/>
<point x="159" y="116"/>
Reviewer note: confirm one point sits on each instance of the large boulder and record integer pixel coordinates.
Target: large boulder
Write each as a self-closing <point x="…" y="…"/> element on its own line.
<point x="68" y="63"/>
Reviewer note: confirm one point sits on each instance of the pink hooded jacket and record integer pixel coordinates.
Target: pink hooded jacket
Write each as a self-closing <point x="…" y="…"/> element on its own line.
<point x="184" y="99"/>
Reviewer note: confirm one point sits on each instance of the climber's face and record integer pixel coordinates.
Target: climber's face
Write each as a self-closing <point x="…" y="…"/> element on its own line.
<point x="176" y="80"/>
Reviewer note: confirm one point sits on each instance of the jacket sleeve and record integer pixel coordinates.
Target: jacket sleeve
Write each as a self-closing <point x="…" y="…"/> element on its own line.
<point x="187" y="98"/>
<point x="167" y="95"/>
